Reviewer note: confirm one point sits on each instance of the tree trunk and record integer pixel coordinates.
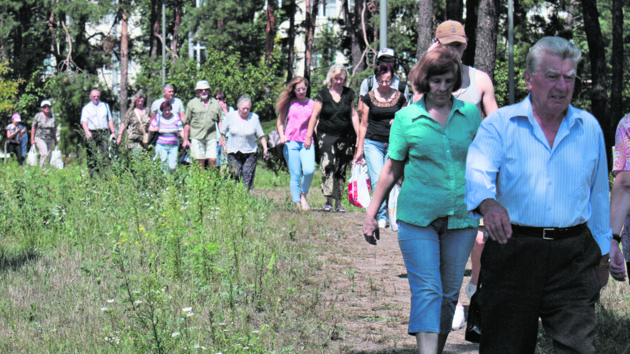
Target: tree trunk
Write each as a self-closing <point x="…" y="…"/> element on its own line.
<point x="597" y="55"/>
<point x="178" y="22"/>
<point x="485" y="51"/>
<point x="454" y="10"/>
<point x="156" y="12"/>
<point x="124" y="57"/>
<point x="309" y="24"/>
<point x="357" y="37"/>
<point x="291" y="40"/>
<point x="271" y="29"/>
<point x="472" y="8"/>
<point x="425" y="26"/>
<point x="616" y="97"/>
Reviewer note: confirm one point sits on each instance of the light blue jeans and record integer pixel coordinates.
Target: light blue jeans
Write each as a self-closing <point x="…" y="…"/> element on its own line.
<point x="168" y="155"/>
<point x="301" y="162"/>
<point x="435" y="258"/>
<point x="375" y="155"/>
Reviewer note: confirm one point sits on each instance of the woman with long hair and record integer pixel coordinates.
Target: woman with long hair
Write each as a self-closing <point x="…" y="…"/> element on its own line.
<point x="136" y="121"/>
<point x="294" y="112"/>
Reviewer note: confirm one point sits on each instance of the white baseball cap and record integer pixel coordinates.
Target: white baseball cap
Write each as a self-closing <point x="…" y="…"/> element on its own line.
<point x="203" y="84"/>
<point x="388" y="52"/>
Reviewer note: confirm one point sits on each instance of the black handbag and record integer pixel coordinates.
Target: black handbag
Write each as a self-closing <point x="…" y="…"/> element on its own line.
<point x="473" y="325"/>
<point x="153" y="136"/>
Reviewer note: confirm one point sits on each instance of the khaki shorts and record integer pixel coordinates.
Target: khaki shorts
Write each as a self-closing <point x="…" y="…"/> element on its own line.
<point x="203" y="149"/>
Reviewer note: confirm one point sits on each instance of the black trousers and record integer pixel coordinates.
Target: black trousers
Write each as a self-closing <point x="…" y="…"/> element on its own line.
<point x="96" y="150"/>
<point x="16" y="148"/>
<point x="528" y="278"/>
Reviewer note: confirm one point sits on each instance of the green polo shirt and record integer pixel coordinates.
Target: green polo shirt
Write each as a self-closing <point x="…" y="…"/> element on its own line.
<point x="435" y="163"/>
<point x="202" y="119"/>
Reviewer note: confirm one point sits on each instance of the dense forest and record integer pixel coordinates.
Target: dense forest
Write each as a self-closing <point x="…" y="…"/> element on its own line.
<point x="51" y="49"/>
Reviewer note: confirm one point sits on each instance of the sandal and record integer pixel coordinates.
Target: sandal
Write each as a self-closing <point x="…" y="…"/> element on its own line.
<point x="327" y="208"/>
<point x="341" y="209"/>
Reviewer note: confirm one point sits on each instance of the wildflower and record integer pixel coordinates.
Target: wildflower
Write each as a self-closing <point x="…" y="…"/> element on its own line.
<point x="256" y="332"/>
<point x="175" y="334"/>
<point x="163" y="215"/>
<point x="245" y="348"/>
<point x="104" y="309"/>
<point x="137" y="302"/>
<point x="187" y="309"/>
<point x="190" y="314"/>
<point x="133" y="211"/>
<point x="111" y="300"/>
<point x="141" y="229"/>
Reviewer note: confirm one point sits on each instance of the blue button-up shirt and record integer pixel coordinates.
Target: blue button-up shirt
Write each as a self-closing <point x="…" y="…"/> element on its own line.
<point x="565" y="185"/>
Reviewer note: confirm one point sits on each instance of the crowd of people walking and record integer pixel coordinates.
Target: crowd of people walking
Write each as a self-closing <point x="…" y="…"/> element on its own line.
<point x="534" y="171"/>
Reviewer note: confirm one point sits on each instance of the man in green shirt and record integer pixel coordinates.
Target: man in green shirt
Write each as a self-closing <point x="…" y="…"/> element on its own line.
<point x="203" y="117"/>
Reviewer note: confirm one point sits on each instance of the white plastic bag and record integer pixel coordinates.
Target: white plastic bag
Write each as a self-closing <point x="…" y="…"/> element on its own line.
<point x="392" y="207"/>
<point x="31" y="158"/>
<point x="55" y="158"/>
<point x="359" y="186"/>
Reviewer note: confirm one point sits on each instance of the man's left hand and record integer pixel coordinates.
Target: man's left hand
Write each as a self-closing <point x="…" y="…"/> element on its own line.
<point x="617" y="266"/>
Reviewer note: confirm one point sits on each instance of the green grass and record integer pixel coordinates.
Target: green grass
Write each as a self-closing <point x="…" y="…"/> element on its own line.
<point x="140" y="262"/>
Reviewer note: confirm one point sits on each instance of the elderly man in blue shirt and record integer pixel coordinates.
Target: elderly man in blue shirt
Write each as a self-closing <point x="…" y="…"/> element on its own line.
<point x="537" y="173"/>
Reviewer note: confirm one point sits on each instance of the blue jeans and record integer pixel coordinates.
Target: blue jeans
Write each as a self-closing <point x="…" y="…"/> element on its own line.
<point x="301" y="164"/>
<point x="167" y="153"/>
<point x="435" y="258"/>
<point x="375" y="155"/>
<point x="220" y="157"/>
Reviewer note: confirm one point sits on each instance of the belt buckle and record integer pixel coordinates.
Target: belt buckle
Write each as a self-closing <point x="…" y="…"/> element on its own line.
<point x="544" y="235"/>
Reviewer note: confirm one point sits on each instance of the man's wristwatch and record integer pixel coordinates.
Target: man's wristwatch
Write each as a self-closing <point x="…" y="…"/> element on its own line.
<point x="617" y="238"/>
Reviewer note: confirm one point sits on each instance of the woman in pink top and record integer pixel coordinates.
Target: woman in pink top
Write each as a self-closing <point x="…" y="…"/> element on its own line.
<point x="169" y="126"/>
<point x="294" y="111"/>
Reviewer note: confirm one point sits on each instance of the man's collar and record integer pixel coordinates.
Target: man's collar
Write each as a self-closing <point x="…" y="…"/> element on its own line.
<point x="572" y="115"/>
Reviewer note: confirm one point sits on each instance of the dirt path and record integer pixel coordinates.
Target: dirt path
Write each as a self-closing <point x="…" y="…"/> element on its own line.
<point x="369" y="288"/>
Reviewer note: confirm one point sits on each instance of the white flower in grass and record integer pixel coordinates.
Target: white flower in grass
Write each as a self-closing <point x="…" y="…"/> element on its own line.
<point x="104" y="309"/>
<point x="187" y="309"/>
<point x="190" y="314"/>
<point x="111" y="300"/>
<point x="256" y="332"/>
<point x="137" y="302"/>
<point x="175" y="334"/>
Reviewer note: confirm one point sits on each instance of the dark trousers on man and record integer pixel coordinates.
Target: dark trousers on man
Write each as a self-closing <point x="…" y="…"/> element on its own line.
<point x="96" y="150"/>
<point x="16" y="148"/>
<point x="531" y="277"/>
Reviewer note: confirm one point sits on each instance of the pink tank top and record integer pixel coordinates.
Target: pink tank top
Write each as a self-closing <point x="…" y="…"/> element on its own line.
<point x="297" y="120"/>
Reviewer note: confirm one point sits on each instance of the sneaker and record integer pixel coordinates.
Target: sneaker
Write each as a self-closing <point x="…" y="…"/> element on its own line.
<point x="459" y="320"/>
<point x="382" y="224"/>
<point x="470" y="289"/>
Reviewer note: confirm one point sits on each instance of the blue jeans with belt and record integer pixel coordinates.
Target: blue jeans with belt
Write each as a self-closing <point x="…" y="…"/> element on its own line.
<point x="435" y="258"/>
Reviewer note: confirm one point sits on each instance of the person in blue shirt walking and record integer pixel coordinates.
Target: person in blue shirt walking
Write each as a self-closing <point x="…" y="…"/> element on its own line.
<point x="537" y="173"/>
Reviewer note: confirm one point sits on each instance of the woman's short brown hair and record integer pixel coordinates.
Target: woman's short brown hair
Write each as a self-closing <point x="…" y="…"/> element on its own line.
<point x="438" y="61"/>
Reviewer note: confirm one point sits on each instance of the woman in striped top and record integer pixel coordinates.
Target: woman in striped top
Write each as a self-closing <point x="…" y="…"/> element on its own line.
<point x="168" y="125"/>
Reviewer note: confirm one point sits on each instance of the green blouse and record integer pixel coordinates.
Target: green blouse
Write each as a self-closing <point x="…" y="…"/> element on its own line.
<point x="435" y="163"/>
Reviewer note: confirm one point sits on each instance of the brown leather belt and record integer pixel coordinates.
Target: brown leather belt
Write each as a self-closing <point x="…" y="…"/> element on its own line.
<point x="548" y="233"/>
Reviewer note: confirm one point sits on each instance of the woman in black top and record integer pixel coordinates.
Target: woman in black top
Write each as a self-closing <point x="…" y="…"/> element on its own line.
<point x="377" y="116"/>
<point x="337" y="128"/>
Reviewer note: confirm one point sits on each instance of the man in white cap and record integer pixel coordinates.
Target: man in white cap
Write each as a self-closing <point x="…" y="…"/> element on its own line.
<point x="202" y="119"/>
<point x="15" y="133"/>
<point x="387" y="56"/>
<point x="168" y="92"/>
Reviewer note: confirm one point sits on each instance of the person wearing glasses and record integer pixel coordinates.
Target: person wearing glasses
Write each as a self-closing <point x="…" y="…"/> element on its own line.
<point x="377" y="116"/>
<point x="294" y="112"/>
<point x="203" y="117"/>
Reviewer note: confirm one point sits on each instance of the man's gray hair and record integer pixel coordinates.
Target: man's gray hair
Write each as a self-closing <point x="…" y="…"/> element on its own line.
<point x="243" y="99"/>
<point x="556" y="46"/>
<point x="167" y="86"/>
<point x="334" y="70"/>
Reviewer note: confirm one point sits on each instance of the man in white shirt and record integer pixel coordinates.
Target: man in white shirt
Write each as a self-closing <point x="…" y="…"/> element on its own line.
<point x="97" y="123"/>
